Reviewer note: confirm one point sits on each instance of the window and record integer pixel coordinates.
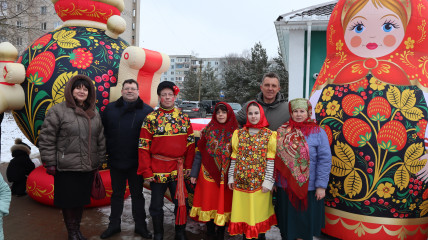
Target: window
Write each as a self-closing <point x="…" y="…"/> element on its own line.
<point x="165" y="79"/>
<point x="133" y="12"/>
<point x="172" y="73"/>
<point x="19" y="24"/>
<point x="172" y="79"/>
<point x="43" y="10"/>
<point x="172" y="66"/>
<point x="3" y="8"/>
<point x="19" y="41"/>
<point x="43" y="26"/>
<point x="172" y="60"/>
<point x="216" y="63"/>
<point x="19" y="7"/>
<point x="57" y="25"/>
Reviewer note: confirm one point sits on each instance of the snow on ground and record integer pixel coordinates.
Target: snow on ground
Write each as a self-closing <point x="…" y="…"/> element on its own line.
<point x="10" y="131"/>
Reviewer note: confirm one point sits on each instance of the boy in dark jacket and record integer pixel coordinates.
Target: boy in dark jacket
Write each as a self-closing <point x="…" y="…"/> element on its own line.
<point x="19" y="167"/>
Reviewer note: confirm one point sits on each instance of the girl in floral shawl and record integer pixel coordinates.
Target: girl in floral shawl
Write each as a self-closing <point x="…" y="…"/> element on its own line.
<point x="251" y="176"/>
<point x="302" y="165"/>
<point x="213" y="200"/>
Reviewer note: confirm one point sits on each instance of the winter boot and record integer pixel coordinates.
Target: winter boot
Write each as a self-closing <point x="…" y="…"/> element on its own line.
<point x="141" y="229"/>
<point x="111" y="230"/>
<point x="158" y="227"/>
<point x="70" y="221"/>
<point x="180" y="232"/>
<point x="79" y="213"/>
<point x="220" y="232"/>
<point x="262" y="236"/>
<point x="210" y="228"/>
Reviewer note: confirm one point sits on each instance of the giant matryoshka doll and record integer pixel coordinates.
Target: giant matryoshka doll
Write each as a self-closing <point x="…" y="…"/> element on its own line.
<point x="371" y="98"/>
<point x="87" y="43"/>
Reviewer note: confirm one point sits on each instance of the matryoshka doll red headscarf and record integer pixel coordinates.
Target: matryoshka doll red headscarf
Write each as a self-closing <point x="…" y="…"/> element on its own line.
<point x="386" y="39"/>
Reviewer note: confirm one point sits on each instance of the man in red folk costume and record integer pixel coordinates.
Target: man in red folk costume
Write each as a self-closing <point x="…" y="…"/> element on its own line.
<point x="371" y="99"/>
<point x="166" y="152"/>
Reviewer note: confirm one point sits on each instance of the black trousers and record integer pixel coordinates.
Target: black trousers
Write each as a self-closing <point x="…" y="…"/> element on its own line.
<point x="118" y="183"/>
<point x="158" y="191"/>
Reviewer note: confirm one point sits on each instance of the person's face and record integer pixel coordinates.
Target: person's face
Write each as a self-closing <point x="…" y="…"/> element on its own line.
<point x="80" y="93"/>
<point x="130" y="92"/>
<point x="299" y="115"/>
<point x="167" y="98"/>
<point x="269" y="87"/>
<point x="221" y="116"/>
<point x="374" y="32"/>
<point x="253" y="115"/>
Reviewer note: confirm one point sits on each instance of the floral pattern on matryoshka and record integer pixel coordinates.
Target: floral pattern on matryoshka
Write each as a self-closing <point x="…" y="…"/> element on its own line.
<point x="370" y="97"/>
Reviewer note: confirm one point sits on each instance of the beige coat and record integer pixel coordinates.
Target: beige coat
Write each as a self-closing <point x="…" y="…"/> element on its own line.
<point x="73" y="139"/>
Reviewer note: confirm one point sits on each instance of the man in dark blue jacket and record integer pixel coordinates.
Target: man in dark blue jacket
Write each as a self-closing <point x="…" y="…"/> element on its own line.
<point x="122" y="124"/>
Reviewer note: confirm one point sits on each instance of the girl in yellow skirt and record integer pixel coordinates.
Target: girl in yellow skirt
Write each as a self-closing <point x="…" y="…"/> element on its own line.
<point x="251" y="176"/>
<point x="212" y="201"/>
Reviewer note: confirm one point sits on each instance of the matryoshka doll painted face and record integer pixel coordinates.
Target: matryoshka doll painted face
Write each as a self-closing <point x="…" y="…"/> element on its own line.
<point x="374" y="30"/>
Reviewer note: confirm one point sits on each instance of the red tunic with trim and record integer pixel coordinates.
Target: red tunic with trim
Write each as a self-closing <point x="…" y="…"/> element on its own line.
<point x="166" y="133"/>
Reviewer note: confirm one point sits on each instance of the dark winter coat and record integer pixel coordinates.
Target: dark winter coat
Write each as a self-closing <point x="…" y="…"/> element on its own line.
<point x="20" y="166"/>
<point x="122" y="124"/>
<point x="276" y="113"/>
<point x="71" y="138"/>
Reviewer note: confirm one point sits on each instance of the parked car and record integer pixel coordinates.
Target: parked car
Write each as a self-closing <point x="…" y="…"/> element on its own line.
<point x="235" y="106"/>
<point x="209" y="105"/>
<point x="193" y="109"/>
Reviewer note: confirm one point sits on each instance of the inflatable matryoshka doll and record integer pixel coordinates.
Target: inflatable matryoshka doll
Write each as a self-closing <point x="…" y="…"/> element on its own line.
<point x="371" y="98"/>
<point x="87" y="43"/>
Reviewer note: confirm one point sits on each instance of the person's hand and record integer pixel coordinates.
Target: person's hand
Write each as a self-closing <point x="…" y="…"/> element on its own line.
<point x="193" y="180"/>
<point x="51" y="170"/>
<point x="187" y="172"/>
<point x="274" y="188"/>
<point x="150" y="179"/>
<point x="265" y="190"/>
<point x="231" y="186"/>
<point x="320" y="193"/>
<point x="423" y="173"/>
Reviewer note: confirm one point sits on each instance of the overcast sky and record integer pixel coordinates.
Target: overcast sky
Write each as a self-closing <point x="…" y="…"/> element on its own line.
<point x="213" y="28"/>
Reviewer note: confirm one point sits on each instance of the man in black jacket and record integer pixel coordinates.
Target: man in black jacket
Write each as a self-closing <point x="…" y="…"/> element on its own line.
<point x="122" y="123"/>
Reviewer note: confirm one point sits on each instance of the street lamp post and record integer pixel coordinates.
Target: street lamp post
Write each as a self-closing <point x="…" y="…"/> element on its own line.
<point x="200" y="79"/>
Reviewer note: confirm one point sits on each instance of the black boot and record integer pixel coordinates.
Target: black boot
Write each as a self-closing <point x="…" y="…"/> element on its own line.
<point x="111" y="230"/>
<point x="220" y="232"/>
<point x="210" y="228"/>
<point x="79" y="213"/>
<point x="141" y="229"/>
<point x="158" y="227"/>
<point x="70" y="223"/>
<point x="262" y="236"/>
<point x="180" y="232"/>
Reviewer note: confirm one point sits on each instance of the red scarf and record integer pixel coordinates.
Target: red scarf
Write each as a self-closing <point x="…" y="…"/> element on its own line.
<point x="262" y="122"/>
<point x="214" y="144"/>
<point x="292" y="157"/>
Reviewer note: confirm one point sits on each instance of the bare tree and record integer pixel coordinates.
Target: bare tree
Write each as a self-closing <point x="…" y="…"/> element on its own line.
<point x="23" y="21"/>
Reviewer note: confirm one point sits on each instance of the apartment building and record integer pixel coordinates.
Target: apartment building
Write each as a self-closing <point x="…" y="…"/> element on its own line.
<point x="23" y="21"/>
<point x="181" y="64"/>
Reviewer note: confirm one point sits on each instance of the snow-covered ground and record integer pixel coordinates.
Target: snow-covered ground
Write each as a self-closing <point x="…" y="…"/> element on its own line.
<point x="10" y="131"/>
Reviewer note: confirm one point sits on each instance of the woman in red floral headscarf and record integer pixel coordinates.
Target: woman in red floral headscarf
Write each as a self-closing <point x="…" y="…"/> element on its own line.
<point x="302" y="164"/>
<point x="371" y="99"/>
<point x="251" y="176"/>
<point x="212" y="202"/>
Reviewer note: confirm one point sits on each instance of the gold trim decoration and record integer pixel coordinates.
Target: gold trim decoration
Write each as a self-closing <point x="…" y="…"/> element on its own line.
<point x="205" y="216"/>
<point x="361" y="229"/>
